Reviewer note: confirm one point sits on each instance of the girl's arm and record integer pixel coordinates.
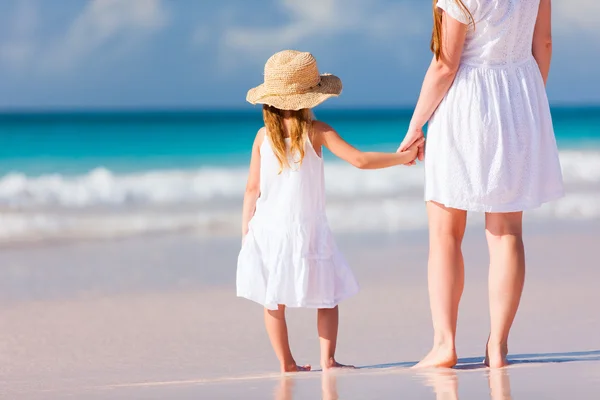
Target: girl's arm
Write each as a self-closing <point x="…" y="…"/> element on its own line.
<point x="542" y="38"/>
<point x="439" y="78"/>
<point x="363" y="160"/>
<point x="253" y="185"/>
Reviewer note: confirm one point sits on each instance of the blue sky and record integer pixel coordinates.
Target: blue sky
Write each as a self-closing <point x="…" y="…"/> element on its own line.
<point x="207" y="53"/>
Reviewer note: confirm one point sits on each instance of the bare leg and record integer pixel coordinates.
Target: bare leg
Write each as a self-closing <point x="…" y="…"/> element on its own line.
<point x="327" y="325"/>
<point x="506" y="280"/>
<point x="278" y="333"/>
<point x="446" y="281"/>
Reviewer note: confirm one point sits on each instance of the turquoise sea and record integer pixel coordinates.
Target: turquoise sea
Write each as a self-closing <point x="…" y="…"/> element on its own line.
<point x="75" y="143"/>
<point x="103" y="173"/>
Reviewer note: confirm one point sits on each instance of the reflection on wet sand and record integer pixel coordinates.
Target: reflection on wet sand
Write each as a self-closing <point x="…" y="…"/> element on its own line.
<point x="445" y="384"/>
<point x="499" y="382"/>
<point x="329" y="386"/>
<point x="285" y="387"/>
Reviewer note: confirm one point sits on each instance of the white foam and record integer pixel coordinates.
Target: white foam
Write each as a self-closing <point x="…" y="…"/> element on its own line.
<point x="101" y="187"/>
<point x="101" y="204"/>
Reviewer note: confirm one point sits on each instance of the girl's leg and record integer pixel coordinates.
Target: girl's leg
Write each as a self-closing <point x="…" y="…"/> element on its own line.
<point x="278" y="333"/>
<point x="327" y="325"/>
<point x="446" y="272"/>
<point x="506" y="280"/>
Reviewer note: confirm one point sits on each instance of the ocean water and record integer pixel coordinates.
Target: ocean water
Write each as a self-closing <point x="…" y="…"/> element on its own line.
<point x="98" y="175"/>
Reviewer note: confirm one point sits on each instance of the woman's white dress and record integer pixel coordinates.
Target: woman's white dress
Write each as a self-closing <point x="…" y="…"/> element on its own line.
<point x="289" y="256"/>
<point x="490" y="144"/>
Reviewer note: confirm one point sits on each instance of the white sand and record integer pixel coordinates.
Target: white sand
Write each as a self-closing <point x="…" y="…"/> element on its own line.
<point x="156" y="317"/>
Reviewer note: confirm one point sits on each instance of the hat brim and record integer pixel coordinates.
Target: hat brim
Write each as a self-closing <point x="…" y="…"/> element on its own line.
<point x="330" y="86"/>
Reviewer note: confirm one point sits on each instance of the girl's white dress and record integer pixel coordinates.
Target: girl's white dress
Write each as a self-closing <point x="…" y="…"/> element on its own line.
<point x="490" y="144"/>
<point x="289" y="256"/>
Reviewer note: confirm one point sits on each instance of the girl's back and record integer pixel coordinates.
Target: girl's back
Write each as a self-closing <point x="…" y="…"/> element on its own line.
<point x="295" y="194"/>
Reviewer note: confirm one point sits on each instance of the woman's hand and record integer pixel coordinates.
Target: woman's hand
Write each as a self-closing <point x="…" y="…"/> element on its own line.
<point x="414" y="135"/>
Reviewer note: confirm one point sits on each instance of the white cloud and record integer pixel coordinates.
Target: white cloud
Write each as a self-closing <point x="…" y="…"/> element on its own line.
<point x="19" y="45"/>
<point x="574" y="16"/>
<point x="309" y="20"/>
<point x="201" y="36"/>
<point x="101" y="22"/>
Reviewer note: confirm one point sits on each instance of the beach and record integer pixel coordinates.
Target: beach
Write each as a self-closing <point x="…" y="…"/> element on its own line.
<point x="157" y="317"/>
<point x="127" y="129"/>
<point x="118" y="264"/>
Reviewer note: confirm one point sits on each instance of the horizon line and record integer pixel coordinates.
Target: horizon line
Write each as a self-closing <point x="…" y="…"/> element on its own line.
<point x="235" y="109"/>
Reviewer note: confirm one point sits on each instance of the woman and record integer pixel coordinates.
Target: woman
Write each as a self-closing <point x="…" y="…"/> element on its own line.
<point x="491" y="148"/>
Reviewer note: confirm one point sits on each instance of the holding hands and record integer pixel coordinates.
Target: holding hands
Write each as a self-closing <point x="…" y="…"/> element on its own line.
<point x="414" y="138"/>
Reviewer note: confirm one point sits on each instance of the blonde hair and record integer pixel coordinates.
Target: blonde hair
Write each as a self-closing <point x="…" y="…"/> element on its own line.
<point x="436" y="35"/>
<point x="300" y="129"/>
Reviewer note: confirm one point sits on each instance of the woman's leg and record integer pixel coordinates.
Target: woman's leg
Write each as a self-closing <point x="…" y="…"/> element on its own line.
<point x="506" y="280"/>
<point x="278" y="334"/>
<point x="327" y="325"/>
<point x="446" y="281"/>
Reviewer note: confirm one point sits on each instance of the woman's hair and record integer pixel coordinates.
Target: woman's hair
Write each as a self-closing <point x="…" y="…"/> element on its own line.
<point x="300" y="128"/>
<point x="436" y="36"/>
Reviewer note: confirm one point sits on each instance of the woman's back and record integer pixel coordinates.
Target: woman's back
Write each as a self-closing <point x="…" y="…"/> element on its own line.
<point x="491" y="144"/>
<point x="503" y="31"/>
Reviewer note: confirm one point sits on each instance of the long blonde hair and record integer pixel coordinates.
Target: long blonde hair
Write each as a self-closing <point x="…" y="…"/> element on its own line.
<point x="436" y="35"/>
<point x="300" y="129"/>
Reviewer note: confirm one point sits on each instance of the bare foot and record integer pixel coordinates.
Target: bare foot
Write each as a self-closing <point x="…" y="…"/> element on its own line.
<point x="295" y="368"/>
<point x="439" y="357"/>
<point x="331" y="363"/>
<point x="495" y="355"/>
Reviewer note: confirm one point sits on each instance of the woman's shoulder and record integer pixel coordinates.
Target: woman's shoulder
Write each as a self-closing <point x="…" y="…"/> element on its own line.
<point x="461" y="12"/>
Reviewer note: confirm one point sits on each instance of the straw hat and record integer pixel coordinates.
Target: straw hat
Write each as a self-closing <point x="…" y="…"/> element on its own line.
<point x="293" y="82"/>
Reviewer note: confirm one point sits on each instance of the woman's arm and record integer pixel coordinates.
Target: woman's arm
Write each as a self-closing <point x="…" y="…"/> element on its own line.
<point x="439" y="78"/>
<point x="253" y="185"/>
<point x="542" y="38"/>
<point x="329" y="138"/>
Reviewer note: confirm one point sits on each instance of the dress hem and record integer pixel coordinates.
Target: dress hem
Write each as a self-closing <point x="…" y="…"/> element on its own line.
<point x="273" y="306"/>
<point x="503" y="208"/>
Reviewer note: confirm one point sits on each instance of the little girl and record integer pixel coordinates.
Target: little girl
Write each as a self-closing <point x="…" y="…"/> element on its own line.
<point x="288" y="256"/>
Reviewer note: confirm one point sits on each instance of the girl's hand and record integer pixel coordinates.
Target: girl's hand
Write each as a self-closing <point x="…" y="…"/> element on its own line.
<point x="412" y="137"/>
<point x="413" y="150"/>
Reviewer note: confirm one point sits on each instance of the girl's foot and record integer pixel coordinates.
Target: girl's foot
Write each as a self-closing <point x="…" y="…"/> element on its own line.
<point x="331" y="363"/>
<point x="495" y="355"/>
<point x="295" y="368"/>
<point x="439" y="357"/>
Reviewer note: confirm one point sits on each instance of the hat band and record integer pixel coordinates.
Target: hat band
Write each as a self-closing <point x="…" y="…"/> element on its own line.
<point x="272" y="91"/>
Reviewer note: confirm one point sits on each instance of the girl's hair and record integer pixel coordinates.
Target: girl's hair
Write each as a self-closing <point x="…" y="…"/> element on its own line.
<point x="436" y="36"/>
<point x="300" y="128"/>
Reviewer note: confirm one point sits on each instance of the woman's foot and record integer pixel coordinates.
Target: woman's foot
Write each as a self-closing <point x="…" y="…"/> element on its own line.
<point x="295" y="368"/>
<point x="496" y="354"/>
<point x="439" y="357"/>
<point x="331" y="364"/>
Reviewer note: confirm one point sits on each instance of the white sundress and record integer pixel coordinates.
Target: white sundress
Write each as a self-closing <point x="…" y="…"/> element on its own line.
<point x="490" y="143"/>
<point x="289" y="255"/>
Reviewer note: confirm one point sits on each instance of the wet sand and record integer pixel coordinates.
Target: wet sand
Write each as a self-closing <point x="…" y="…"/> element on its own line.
<point x="157" y="317"/>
